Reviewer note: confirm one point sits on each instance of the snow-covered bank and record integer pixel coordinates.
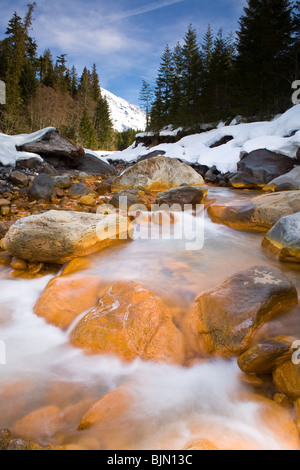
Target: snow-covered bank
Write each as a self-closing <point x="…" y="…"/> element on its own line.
<point x="9" y="155"/>
<point x="275" y="136"/>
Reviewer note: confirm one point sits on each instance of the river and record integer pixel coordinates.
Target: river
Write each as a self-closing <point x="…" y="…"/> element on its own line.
<point x="42" y="369"/>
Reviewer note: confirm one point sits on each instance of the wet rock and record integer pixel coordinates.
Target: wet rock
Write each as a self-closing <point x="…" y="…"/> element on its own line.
<point x="124" y="198"/>
<point x="226" y="318"/>
<point x="4" y="228"/>
<point x="18" y="264"/>
<point x="288" y="182"/>
<point x="42" y="188"/>
<point x="62" y="182"/>
<point x="10" y="443"/>
<point x="88" y="200"/>
<point x="264" y="357"/>
<point x="283" y="239"/>
<point x="104" y="187"/>
<point x="287" y="379"/>
<point x="259" y="167"/>
<point x="58" y="236"/>
<point x="66" y="297"/>
<point x="79" y="189"/>
<point x="259" y="214"/>
<point x="157" y="174"/>
<point x="131" y="322"/>
<point x="108" y="409"/>
<point x="185" y="195"/>
<point x="19" y="179"/>
<point x="39" y="425"/>
<point x="53" y="144"/>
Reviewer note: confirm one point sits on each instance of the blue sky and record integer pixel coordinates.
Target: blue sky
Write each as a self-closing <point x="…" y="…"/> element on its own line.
<point x="125" y="38"/>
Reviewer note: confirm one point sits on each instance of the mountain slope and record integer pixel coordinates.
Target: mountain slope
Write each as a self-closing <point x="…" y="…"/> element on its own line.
<point x="123" y="114"/>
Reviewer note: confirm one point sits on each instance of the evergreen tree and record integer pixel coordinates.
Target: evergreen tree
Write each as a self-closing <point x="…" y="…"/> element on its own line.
<point x="264" y="58"/>
<point x="18" y="51"/>
<point x="86" y="131"/>
<point x="146" y="97"/>
<point x="95" y="85"/>
<point x="160" y="115"/>
<point x="103" y="124"/>
<point x="46" y="69"/>
<point x="62" y="74"/>
<point x="192" y="78"/>
<point x="218" y="79"/>
<point x="85" y="85"/>
<point x="177" y="86"/>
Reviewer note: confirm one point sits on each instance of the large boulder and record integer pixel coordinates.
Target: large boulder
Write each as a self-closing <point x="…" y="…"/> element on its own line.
<point x="53" y="144"/>
<point x="157" y="174"/>
<point x="265" y="356"/>
<point x="288" y="182"/>
<point x="283" y="239"/>
<point x="94" y="166"/>
<point x="225" y="319"/>
<point x="259" y="167"/>
<point x="58" y="236"/>
<point x="259" y="214"/>
<point x="185" y="195"/>
<point x="131" y="322"/>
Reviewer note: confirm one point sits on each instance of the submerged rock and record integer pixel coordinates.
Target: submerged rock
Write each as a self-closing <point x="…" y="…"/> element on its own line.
<point x="283" y="239"/>
<point x="225" y="319"/>
<point x="58" y="236"/>
<point x="131" y="322"/>
<point x="259" y="214"/>
<point x="259" y="167"/>
<point x="157" y="174"/>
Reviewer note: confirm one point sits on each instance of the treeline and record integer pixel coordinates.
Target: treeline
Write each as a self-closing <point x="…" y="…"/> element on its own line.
<point x="42" y="92"/>
<point x="249" y="73"/>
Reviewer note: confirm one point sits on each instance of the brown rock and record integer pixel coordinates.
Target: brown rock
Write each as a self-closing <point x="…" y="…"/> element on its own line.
<point x="226" y="318"/>
<point x="259" y="214"/>
<point x="18" y="264"/>
<point x="287" y="379"/>
<point x="66" y="297"/>
<point x="131" y="322"/>
<point x="264" y="357"/>
<point x="39" y="425"/>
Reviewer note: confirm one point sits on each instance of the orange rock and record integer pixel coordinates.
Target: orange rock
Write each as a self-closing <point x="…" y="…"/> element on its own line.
<point x="107" y="410"/>
<point x="132" y="322"/>
<point x="287" y="379"/>
<point x="201" y="444"/>
<point x="40" y="425"/>
<point x="76" y="265"/>
<point x="66" y="297"/>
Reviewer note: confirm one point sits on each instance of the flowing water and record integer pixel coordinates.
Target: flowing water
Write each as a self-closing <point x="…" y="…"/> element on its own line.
<point x="170" y="404"/>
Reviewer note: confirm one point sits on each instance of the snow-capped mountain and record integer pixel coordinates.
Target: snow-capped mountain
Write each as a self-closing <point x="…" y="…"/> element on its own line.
<point x="123" y="114"/>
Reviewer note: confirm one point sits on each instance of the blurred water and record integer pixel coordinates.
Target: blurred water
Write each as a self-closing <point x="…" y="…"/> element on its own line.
<point x="43" y="369"/>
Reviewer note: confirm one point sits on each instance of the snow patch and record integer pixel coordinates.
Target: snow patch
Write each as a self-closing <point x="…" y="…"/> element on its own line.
<point x="276" y="136"/>
<point x="9" y="155"/>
